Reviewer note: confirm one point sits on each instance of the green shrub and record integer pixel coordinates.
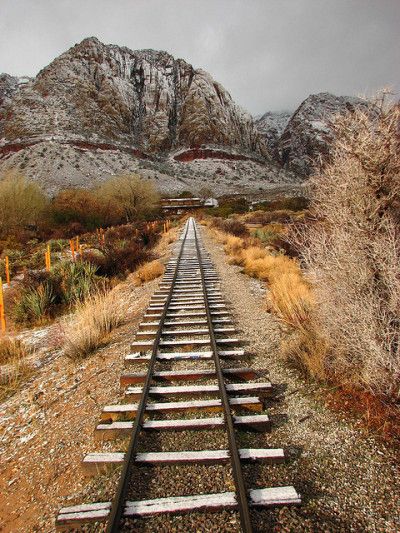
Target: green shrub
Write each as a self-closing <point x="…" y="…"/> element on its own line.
<point x="293" y="203"/>
<point x="34" y="305"/>
<point x="77" y="280"/>
<point x="43" y="293"/>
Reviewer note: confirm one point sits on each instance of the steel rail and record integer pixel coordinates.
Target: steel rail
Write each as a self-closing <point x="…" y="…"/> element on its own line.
<point x="241" y="491"/>
<point x="117" y="507"/>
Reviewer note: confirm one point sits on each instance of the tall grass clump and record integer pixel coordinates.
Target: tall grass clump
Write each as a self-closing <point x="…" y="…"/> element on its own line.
<point x="78" y="280"/>
<point x="93" y="320"/>
<point x="352" y="251"/>
<point x="34" y="304"/>
<point x="15" y="367"/>
<point x="148" y="271"/>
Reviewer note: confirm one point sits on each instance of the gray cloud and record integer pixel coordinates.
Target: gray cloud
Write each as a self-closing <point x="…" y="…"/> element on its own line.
<point x="270" y="54"/>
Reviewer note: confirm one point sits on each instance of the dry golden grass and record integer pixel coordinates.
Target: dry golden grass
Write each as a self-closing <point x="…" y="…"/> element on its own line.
<point x="148" y="271"/>
<point x="306" y="350"/>
<point x="290" y="295"/>
<point x="92" y="322"/>
<point x="233" y="244"/>
<point x="12" y="349"/>
<point x="16" y="369"/>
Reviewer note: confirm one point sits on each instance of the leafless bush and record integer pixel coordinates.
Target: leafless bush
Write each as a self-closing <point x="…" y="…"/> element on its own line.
<point x="352" y="250"/>
<point x="22" y="203"/>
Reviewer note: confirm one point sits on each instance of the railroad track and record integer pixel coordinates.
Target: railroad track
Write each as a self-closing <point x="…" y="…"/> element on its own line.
<point x="186" y="324"/>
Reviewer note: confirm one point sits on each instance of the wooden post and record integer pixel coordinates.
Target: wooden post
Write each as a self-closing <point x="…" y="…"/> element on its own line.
<point x="72" y="246"/>
<point x="47" y="258"/>
<point x="7" y="271"/>
<point x="2" y="314"/>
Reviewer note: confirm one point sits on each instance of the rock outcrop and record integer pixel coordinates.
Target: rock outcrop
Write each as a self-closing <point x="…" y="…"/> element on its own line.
<point x="307" y="138"/>
<point x="271" y="125"/>
<point x="9" y="85"/>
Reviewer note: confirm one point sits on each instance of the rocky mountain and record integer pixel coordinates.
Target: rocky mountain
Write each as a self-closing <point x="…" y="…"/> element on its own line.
<point x="98" y="110"/>
<point x="308" y="136"/>
<point x="271" y="125"/>
<point x="144" y="98"/>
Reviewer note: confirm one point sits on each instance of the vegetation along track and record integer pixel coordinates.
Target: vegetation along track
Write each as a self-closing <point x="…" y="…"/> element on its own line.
<point x="186" y="337"/>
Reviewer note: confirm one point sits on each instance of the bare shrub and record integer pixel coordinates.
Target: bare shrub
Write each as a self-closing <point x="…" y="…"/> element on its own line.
<point x="88" y="328"/>
<point x="232" y="226"/>
<point x="22" y="203"/>
<point x="352" y="250"/>
<point x="135" y="197"/>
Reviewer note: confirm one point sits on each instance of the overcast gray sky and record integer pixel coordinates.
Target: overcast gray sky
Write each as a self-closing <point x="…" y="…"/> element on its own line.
<point x="269" y="54"/>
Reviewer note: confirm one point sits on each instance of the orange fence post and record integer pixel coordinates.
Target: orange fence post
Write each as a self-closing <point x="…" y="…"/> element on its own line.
<point x="48" y="258"/>
<point x="72" y="246"/>
<point x="2" y="314"/>
<point x="7" y="271"/>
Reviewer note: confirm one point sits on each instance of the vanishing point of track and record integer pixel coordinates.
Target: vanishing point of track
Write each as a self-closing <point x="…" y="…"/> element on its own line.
<point x="186" y="314"/>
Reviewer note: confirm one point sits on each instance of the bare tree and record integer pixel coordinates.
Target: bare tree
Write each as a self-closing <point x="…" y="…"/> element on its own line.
<point x="22" y="202"/>
<point x="133" y="195"/>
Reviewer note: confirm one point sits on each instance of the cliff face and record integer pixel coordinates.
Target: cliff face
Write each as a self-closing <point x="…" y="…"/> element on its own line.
<point x="110" y="94"/>
<point x="308" y="136"/>
<point x="8" y="87"/>
<point x="271" y="126"/>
